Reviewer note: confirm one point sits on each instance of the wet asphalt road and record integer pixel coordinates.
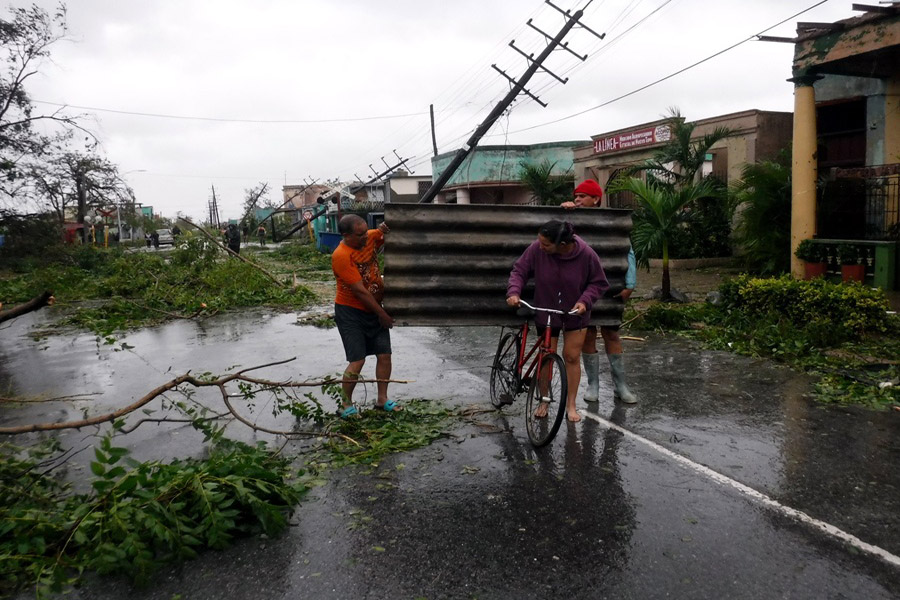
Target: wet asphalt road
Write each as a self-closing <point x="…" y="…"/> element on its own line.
<point x="599" y="513"/>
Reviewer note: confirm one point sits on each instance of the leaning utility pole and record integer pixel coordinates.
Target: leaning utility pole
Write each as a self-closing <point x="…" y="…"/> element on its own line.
<point x="517" y="88"/>
<point x="323" y="201"/>
<point x="252" y="204"/>
<point x="213" y="209"/>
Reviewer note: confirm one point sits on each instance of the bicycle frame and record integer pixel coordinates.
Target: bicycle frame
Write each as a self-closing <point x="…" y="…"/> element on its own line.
<point x="544" y="378"/>
<point x="541" y="346"/>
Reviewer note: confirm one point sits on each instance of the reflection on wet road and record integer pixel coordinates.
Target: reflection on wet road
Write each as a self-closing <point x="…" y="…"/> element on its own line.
<point x="598" y="513"/>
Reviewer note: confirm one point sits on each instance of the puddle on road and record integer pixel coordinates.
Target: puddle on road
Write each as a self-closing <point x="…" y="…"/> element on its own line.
<point x="742" y="417"/>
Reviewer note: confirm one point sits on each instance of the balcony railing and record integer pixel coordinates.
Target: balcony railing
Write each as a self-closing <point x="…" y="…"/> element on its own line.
<point x="861" y="204"/>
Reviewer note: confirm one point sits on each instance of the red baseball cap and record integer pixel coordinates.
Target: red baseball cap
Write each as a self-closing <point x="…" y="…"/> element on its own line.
<point x="589" y="187"/>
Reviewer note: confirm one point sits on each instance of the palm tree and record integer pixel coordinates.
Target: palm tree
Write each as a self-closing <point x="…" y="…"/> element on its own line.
<point x="545" y="187"/>
<point x="661" y="211"/>
<point x="763" y="201"/>
<point x="680" y="160"/>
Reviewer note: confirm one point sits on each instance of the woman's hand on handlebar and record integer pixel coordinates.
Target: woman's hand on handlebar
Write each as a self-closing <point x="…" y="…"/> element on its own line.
<point x="512" y="301"/>
<point x="578" y="309"/>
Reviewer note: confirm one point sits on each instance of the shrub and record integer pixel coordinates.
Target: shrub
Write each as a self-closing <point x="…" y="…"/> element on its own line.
<point x="848" y="309"/>
<point x="707" y="230"/>
<point x="763" y="205"/>
<point x="848" y="254"/>
<point x="809" y="251"/>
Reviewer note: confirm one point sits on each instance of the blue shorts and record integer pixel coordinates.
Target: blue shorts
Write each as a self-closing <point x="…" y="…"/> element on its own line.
<point x="361" y="333"/>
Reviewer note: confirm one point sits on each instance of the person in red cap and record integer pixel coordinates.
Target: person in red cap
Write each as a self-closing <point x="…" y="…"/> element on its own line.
<point x="588" y="194"/>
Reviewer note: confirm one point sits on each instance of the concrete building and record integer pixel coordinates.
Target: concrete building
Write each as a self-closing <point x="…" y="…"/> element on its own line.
<point x="404" y="187"/>
<point x="756" y="135"/>
<point x="846" y="79"/>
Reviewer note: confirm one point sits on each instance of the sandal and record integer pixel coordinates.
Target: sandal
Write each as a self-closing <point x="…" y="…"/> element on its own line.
<point x="389" y="406"/>
<point x="350" y="411"/>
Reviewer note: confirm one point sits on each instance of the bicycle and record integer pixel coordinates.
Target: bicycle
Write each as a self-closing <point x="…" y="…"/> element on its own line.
<point x="509" y="377"/>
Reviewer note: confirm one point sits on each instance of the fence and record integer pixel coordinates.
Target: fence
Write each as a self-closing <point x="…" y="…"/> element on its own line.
<point x="860" y="204"/>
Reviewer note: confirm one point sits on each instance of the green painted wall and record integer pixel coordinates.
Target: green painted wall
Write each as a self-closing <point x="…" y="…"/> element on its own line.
<point x="488" y="164"/>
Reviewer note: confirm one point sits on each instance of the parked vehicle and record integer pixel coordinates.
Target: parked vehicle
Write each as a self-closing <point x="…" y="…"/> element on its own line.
<point x="165" y="237"/>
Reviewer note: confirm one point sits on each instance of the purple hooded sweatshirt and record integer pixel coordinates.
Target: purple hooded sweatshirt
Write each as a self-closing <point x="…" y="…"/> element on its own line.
<point x="560" y="280"/>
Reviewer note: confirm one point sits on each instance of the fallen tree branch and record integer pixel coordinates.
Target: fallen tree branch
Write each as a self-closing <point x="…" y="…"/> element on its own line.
<point x="38" y="399"/>
<point x="45" y="299"/>
<point x="228" y="251"/>
<point x="168" y="420"/>
<point x="189" y="379"/>
<point x="167" y="313"/>
<point x="634" y="318"/>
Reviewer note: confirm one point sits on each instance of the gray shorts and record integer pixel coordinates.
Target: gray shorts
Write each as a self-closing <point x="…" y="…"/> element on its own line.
<point x="361" y="333"/>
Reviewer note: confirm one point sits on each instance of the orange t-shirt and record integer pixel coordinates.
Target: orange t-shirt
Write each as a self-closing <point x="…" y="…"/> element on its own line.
<point x="351" y="265"/>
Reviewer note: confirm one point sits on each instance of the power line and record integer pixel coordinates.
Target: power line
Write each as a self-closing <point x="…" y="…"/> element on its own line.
<point x="223" y="120"/>
<point x="679" y="72"/>
<point x="596" y="51"/>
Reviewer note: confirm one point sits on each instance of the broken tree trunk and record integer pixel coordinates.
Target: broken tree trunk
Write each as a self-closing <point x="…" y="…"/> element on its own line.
<point x="41" y="301"/>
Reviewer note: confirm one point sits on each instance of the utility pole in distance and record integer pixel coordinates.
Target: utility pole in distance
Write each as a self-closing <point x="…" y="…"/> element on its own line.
<point x="517" y="88"/>
<point x="433" y="137"/>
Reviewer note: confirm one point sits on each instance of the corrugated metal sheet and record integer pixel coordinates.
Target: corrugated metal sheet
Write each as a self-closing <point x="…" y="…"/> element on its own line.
<point x="448" y="264"/>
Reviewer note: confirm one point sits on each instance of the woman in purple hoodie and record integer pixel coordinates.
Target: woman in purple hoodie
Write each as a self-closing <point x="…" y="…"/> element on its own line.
<point x="567" y="276"/>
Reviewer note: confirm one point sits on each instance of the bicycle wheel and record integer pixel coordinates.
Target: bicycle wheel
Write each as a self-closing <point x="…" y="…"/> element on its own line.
<point x="550" y="385"/>
<point x="504" y="379"/>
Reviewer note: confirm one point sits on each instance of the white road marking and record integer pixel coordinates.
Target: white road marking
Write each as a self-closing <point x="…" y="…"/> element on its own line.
<point x="755" y="495"/>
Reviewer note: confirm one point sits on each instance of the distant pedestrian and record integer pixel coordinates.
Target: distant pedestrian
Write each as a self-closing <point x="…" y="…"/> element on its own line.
<point x="245" y="233"/>
<point x="176" y="231"/>
<point x="154" y="238"/>
<point x="261" y="234"/>
<point x="234" y="238"/>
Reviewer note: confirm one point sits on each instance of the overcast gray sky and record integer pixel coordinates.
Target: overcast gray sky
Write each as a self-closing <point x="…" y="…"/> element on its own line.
<point x="281" y="90"/>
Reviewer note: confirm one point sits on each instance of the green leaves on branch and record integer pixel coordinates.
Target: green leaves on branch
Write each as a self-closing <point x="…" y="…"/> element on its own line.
<point x="138" y="516"/>
<point x="377" y="433"/>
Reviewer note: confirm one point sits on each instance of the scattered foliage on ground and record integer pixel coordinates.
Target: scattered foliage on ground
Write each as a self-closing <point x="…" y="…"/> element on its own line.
<point x="377" y="433"/>
<point x="137" y="516"/>
<point x="841" y="332"/>
<point x="142" y="288"/>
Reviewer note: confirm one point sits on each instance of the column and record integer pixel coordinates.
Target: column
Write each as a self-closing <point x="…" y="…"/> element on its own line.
<point x="804" y="168"/>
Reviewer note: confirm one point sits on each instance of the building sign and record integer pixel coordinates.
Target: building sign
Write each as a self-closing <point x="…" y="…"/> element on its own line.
<point x="633" y="139"/>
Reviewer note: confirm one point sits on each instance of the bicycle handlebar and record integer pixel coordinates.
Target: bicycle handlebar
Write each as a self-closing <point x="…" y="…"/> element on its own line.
<point x="549" y="310"/>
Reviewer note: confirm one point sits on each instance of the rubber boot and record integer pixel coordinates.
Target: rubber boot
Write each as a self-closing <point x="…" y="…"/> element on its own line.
<point x="617" y="366"/>
<point x="592" y="373"/>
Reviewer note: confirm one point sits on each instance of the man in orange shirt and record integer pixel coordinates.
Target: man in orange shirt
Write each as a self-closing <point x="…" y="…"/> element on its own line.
<point x="362" y="322"/>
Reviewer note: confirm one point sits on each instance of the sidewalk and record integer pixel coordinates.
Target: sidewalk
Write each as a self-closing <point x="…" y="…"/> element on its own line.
<point x="694" y="282"/>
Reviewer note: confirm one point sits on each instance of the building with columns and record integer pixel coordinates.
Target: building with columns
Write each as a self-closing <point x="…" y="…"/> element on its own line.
<point x="846" y="135"/>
